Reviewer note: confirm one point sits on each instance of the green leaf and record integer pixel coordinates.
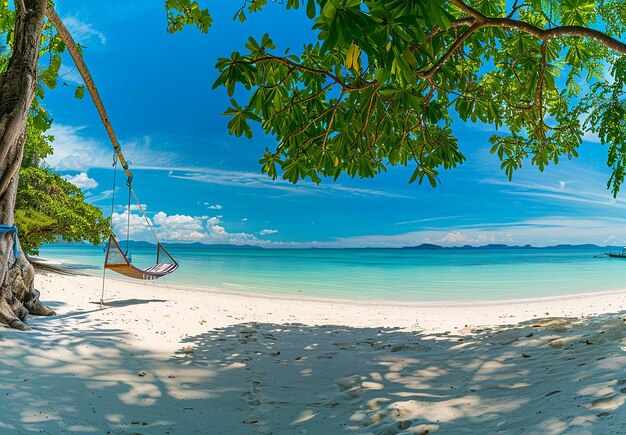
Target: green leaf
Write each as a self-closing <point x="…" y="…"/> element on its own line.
<point x="310" y="9"/>
<point x="80" y="92"/>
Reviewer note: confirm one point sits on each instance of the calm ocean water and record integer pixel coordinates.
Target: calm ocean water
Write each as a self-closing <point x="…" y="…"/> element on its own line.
<point x="379" y="274"/>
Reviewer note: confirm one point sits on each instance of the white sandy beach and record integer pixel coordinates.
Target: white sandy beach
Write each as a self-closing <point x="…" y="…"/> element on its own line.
<point x="172" y="361"/>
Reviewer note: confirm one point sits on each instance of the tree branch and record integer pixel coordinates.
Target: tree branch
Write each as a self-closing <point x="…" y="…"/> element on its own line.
<point x="291" y="64"/>
<point x="453" y="25"/>
<point x="369" y="111"/>
<point x="320" y="72"/>
<point x="332" y="118"/>
<point x="455" y="46"/>
<point x="543" y="34"/>
<point x="539" y="92"/>
<point x="557" y="32"/>
<point x="291" y="70"/>
<point x="306" y="127"/>
<point x="481" y="21"/>
<point x="312" y="97"/>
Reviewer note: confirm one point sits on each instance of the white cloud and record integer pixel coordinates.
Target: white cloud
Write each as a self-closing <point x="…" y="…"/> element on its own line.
<point x="244" y="220"/>
<point x="213" y="206"/>
<point x="181" y="228"/>
<point x="137" y="227"/>
<point x="82" y="181"/>
<point x="508" y="238"/>
<point x="460" y="238"/>
<point x="485" y="239"/>
<point x="454" y="237"/>
<point x="267" y="231"/>
<point x="104" y="195"/>
<point x="218" y="230"/>
<point x="184" y="236"/>
<point x="563" y="184"/>
<point x="75" y="152"/>
<point x="177" y="222"/>
<point x="418" y="221"/>
<point x="213" y="220"/>
<point x="584" y="188"/>
<point x="83" y="32"/>
<point x="255" y="180"/>
<point x="135" y="207"/>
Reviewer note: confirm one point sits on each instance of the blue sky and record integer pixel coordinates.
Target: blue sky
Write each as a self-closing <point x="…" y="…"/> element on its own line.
<point x="200" y="184"/>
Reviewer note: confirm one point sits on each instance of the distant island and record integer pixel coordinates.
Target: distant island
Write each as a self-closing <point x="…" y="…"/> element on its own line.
<point x="432" y="247"/>
<point x="422" y="247"/>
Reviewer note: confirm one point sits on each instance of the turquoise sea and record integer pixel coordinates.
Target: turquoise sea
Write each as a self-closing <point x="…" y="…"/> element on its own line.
<point x="378" y="274"/>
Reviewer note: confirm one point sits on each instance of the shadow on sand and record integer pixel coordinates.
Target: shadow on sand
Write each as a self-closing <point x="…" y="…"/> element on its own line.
<point x="128" y="302"/>
<point x="546" y="376"/>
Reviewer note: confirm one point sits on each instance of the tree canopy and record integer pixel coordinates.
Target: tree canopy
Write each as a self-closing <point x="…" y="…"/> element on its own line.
<point x="386" y="80"/>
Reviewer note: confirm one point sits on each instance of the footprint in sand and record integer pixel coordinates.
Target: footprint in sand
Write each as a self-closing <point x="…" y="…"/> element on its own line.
<point x="349" y="388"/>
<point x="252" y="396"/>
<point x="327" y="355"/>
<point x="375" y="418"/>
<point x="353" y="393"/>
<point x="346" y="384"/>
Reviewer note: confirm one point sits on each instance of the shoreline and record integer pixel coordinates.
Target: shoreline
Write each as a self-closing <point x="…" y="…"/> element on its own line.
<point x="392" y="303"/>
<point x="60" y="265"/>
<point x="169" y="361"/>
<point x="431" y="316"/>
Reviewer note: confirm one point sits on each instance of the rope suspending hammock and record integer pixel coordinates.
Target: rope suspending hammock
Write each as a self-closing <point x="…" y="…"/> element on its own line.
<point x="116" y="260"/>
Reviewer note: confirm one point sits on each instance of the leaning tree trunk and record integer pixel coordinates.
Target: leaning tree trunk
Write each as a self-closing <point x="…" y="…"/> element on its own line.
<point x="18" y="297"/>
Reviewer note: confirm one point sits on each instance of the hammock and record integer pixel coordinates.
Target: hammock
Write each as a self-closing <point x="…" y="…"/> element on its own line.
<point x="118" y="262"/>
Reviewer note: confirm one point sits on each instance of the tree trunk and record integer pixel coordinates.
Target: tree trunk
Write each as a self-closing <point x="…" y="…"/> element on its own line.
<point x="18" y="297"/>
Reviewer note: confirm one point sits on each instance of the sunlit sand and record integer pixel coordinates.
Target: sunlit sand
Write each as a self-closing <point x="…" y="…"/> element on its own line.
<point x="171" y="361"/>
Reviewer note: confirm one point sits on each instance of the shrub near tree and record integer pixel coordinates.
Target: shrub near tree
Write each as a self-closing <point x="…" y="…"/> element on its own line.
<point x="48" y="207"/>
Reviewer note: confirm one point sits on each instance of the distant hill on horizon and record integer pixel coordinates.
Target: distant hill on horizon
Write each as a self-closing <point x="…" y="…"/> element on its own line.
<point x="423" y="246"/>
<point x="430" y="246"/>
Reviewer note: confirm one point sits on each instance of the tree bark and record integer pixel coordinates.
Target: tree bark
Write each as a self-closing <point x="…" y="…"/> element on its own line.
<point x="18" y="297"/>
